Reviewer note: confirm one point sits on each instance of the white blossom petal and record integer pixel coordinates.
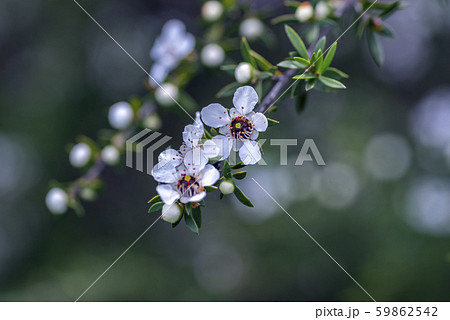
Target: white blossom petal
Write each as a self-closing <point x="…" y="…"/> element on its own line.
<point x="250" y="152"/>
<point x="211" y="149"/>
<point x="254" y="135"/>
<point x="167" y="193"/>
<point x="195" y="161"/>
<point x="224" y="144"/>
<point x="234" y="113"/>
<point x="245" y="98"/>
<point x="236" y="145"/>
<point x="186" y="45"/>
<point x="225" y="130"/>
<point x="164" y="173"/>
<point x="158" y="74"/>
<point x="259" y="120"/>
<point x="210" y="175"/>
<point x="169" y="156"/>
<point x="215" y="115"/>
<point x="191" y="135"/>
<point x="197" y="198"/>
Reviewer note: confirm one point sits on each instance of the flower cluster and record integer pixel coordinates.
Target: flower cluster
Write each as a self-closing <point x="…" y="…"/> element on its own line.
<point x="185" y="174"/>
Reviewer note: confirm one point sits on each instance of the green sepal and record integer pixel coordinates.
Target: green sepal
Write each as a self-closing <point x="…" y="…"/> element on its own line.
<point x="156" y="207"/>
<point x="240" y="175"/>
<point x="242" y="197"/>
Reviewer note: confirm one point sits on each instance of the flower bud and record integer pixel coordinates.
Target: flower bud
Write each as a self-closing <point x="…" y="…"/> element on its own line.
<point x="110" y="155"/>
<point x="166" y="94"/>
<point x="212" y="10"/>
<point x="251" y="28"/>
<point x="226" y="187"/>
<point x="243" y="72"/>
<point x="171" y="212"/>
<point x="56" y="201"/>
<point x="322" y="10"/>
<point x="120" y="115"/>
<point x="88" y="194"/>
<point x="80" y="155"/>
<point x="304" y="12"/>
<point x="212" y="55"/>
<point x="153" y="122"/>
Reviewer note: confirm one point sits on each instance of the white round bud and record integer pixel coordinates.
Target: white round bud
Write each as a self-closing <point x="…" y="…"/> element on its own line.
<point x="304" y="12"/>
<point x="110" y="155"/>
<point x="153" y="122"/>
<point x="56" y="201"/>
<point x="212" y="10"/>
<point x="243" y="72"/>
<point x="171" y="212"/>
<point x="322" y="10"/>
<point x="80" y="155"/>
<point x="120" y="115"/>
<point x="212" y="55"/>
<point x="226" y="187"/>
<point x="166" y="94"/>
<point x="251" y="28"/>
<point x="88" y="194"/>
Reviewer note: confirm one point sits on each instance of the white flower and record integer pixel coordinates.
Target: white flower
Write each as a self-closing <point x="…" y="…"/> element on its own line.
<point x="244" y="72"/>
<point x="166" y="94"/>
<point x="304" y="12"/>
<point x="80" y="155"/>
<point x="251" y="28"/>
<point x="110" y="155"/>
<point x="239" y="127"/>
<point x="322" y="10"/>
<point x="120" y="115"/>
<point x="212" y="55"/>
<point x="226" y="187"/>
<point x="212" y="10"/>
<point x="185" y="183"/>
<point x="191" y="154"/>
<point x="173" y="45"/>
<point x="56" y="201"/>
<point x="171" y="212"/>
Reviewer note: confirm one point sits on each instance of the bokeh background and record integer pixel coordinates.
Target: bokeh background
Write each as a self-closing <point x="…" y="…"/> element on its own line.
<point x="381" y="205"/>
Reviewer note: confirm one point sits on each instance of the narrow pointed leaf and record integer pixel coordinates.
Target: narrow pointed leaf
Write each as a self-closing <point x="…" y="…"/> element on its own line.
<point x="245" y="52"/>
<point x="329" y="82"/>
<point x="329" y="58"/>
<point x="155" y="199"/>
<point x="156" y="207"/>
<point x="191" y="224"/>
<point x="242" y="197"/>
<point x="240" y="175"/>
<point x="310" y="84"/>
<point x="375" y="48"/>
<point x="297" y="42"/>
<point x="262" y="62"/>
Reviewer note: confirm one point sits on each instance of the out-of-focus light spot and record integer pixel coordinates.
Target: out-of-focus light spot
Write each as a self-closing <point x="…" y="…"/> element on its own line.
<point x="302" y="181"/>
<point x="336" y="186"/>
<point x="427" y="206"/>
<point x="276" y="181"/>
<point x="430" y="120"/>
<point x="218" y="268"/>
<point x="388" y="156"/>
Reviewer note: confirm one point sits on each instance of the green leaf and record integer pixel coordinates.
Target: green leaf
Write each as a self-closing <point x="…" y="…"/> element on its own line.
<point x="155" y="199"/>
<point x="292" y="4"/>
<point x="226" y="171"/>
<point x="238" y="166"/>
<point x="262" y="62"/>
<point x="329" y="58"/>
<point x="284" y="19"/>
<point x="306" y="76"/>
<point x="264" y="75"/>
<point x="229" y="68"/>
<point x="228" y="90"/>
<point x="329" y="82"/>
<point x="390" y="9"/>
<point x="242" y="197"/>
<point x="304" y="62"/>
<point x="336" y="72"/>
<point x="310" y="84"/>
<point x="272" y="122"/>
<point x="191" y="223"/>
<point x="272" y="109"/>
<point x="210" y="188"/>
<point x="301" y="102"/>
<point x="320" y="44"/>
<point x="197" y="215"/>
<point x="386" y="31"/>
<point x="207" y="134"/>
<point x="375" y="48"/>
<point x="188" y="209"/>
<point x="240" y="175"/>
<point x="213" y="132"/>
<point x="289" y="64"/>
<point x="319" y="60"/>
<point x="297" y="42"/>
<point x="245" y="52"/>
<point x="156" y="207"/>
